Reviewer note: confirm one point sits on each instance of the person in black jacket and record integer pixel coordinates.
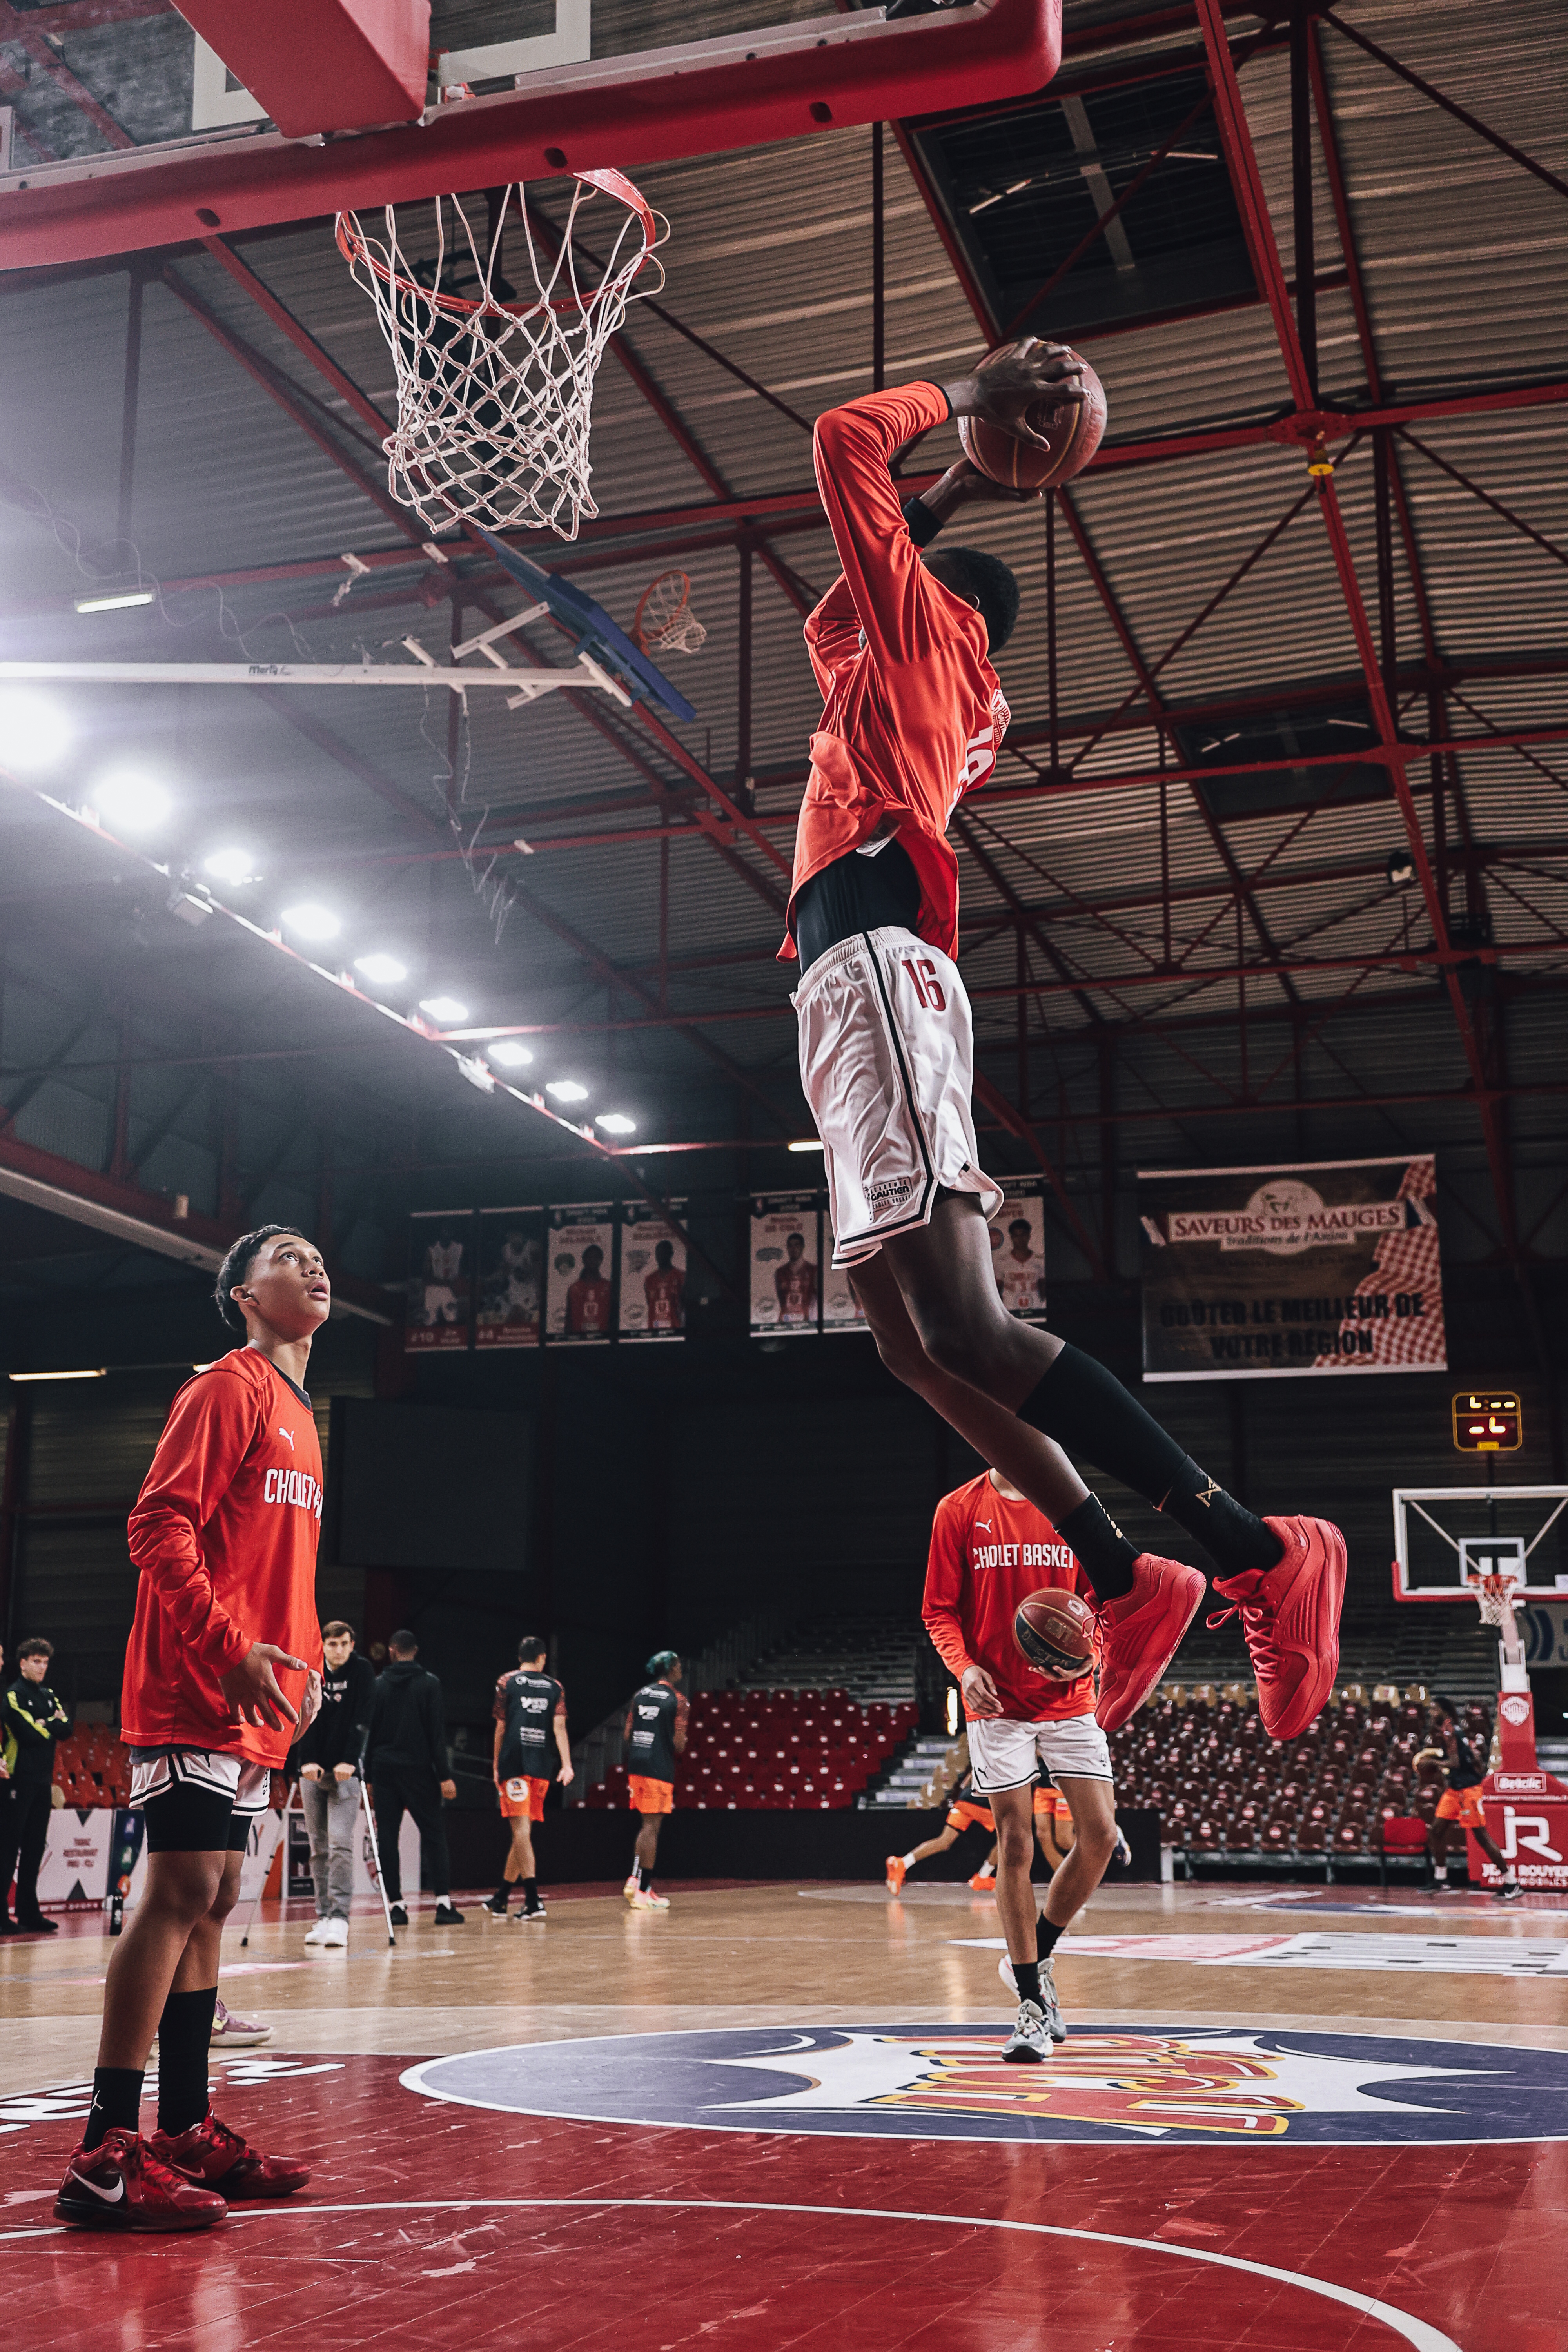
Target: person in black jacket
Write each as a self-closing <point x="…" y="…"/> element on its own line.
<point x="328" y="1761"/>
<point x="32" y="1719"/>
<point x="406" y="1770"/>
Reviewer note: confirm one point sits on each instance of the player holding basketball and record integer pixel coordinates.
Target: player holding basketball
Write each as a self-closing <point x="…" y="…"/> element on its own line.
<point x="529" y="1708"/>
<point x="223" y="1660"/>
<point x="913" y="717"/>
<point x="652" y="1737"/>
<point x="990" y="1548"/>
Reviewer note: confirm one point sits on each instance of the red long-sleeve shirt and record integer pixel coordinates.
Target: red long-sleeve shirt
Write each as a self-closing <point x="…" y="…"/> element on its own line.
<point x="914" y="714"/>
<point x="224" y="1533"/>
<point x="987" y="1553"/>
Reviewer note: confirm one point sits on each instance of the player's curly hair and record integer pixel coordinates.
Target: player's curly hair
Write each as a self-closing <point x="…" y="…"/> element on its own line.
<point x="661" y="1661"/>
<point x="236" y="1266"/>
<point x="988" y="580"/>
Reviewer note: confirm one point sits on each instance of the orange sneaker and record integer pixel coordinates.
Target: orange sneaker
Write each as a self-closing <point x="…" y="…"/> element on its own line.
<point x="1141" y="1632"/>
<point x="1290" y="1617"/>
<point x="897" y="1870"/>
<point x="984" y="1882"/>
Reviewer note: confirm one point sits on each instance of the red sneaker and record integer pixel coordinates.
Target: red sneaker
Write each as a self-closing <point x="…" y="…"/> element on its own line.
<point x="1139" y="1633"/>
<point x="218" y="2158"/>
<point x="1290" y="1616"/>
<point x="121" y="2185"/>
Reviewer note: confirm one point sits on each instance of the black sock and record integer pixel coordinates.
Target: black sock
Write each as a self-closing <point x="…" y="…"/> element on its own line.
<point x="1026" y="1974"/>
<point x="1236" y="1537"/>
<point x="184" y="2042"/>
<point x="644" y="1879"/>
<point x="504" y="1889"/>
<point x="1046" y="1934"/>
<point x="1100" y="1548"/>
<point x="531" y="1893"/>
<point x="115" y="2103"/>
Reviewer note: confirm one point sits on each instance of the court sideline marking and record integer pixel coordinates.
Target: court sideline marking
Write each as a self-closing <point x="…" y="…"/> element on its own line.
<point x="1414" y="2332"/>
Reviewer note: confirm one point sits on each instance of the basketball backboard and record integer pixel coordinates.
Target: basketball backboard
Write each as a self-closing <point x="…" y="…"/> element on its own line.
<point x="1445" y="1536"/>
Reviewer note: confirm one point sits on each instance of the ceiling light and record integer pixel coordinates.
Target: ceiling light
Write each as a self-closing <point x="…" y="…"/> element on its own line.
<point x="615" y="1122"/>
<point x="806" y="1143"/>
<point x="132" y="799"/>
<point x="510" y="1054"/>
<point x="312" y="922"/>
<point x="566" y="1091"/>
<point x="443" y="1008"/>
<point x="383" y="969"/>
<point x="116" y="602"/>
<point x="98" y="1373"/>
<point x="232" y="865"/>
<point x="33" y="732"/>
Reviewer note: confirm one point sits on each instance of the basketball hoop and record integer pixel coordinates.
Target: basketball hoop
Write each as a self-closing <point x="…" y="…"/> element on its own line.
<point x="494" y="392"/>
<point x="1494" y="1599"/>
<point x="664" y="621"/>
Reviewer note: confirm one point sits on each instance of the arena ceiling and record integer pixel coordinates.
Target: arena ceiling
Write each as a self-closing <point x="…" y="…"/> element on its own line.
<point x="1273" y="860"/>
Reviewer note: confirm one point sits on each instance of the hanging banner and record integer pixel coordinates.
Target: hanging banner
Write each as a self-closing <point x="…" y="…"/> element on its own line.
<point x="653" y="1272"/>
<point x="1018" y="1249"/>
<point x="512" y="1278"/>
<point x="840" y="1308"/>
<point x="440" y="1279"/>
<point x="786" y="1264"/>
<point x="580" y="1247"/>
<point x="1270" y="1273"/>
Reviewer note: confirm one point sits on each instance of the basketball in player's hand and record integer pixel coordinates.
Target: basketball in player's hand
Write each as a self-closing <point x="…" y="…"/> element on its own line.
<point x="1070" y="433"/>
<point x="1055" y="1632"/>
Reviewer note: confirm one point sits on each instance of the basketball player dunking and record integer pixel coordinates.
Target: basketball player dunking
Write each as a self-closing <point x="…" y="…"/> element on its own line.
<point x="913" y="716"/>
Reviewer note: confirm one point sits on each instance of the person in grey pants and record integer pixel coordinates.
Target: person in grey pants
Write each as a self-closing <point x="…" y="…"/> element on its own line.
<point x="328" y="1759"/>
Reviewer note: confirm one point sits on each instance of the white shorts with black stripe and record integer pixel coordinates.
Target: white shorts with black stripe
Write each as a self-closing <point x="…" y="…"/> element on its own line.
<point x="887" y="1060"/>
<point x="160" y="1771"/>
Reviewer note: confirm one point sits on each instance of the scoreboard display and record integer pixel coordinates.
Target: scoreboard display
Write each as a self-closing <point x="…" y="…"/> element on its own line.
<point x="1487" y="1421"/>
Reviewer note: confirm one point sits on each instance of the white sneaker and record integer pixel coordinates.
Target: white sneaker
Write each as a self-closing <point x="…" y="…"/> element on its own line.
<point x="318" y="1934"/>
<point x="336" y="1936"/>
<point x="1030" y="2044"/>
<point x="1050" y="2006"/>
<point x="648" y="1901"/>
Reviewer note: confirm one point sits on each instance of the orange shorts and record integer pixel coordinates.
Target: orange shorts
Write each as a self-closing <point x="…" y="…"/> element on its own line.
<point x="1051" y="1805"/>
<point x="1464" y="1806"/>
<point x="650" y="1796"/>
<point x="522" y="1800"/>
<point x="965" y="1816"/>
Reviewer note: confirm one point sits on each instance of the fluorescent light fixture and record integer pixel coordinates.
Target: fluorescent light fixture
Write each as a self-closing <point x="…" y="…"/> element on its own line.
<point x="232" y="865"/>
<point x="117" y="601"/>
<point x="127" y="798"/>
<point x="443" y="1008"/>
<point x="312" y="922"/>
<point x="383" y="969"/>
<point x="806" y="1143"/>
<point x="33" y="731"/>
<point x="566" y="1091"/>
<point x="615" y="1122"/>
<point x="510" y="1054"/>
<point x="99" y="1372"/>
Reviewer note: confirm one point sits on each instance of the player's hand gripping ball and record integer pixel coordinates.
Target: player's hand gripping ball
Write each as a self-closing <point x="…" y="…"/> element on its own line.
<point x="1053" y="1629"/>
<point x="1040" y="441"/>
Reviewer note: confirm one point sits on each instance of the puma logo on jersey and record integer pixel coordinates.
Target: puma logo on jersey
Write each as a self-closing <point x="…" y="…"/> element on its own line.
<point x="288" y="1434"/>
<point x="987" y="1525"/>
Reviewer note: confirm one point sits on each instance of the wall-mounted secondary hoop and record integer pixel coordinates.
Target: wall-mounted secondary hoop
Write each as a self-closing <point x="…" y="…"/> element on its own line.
<point x="664" y="621"/>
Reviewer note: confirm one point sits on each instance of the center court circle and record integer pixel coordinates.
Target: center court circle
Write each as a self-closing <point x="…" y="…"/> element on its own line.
<point x="1147" y="2086"/>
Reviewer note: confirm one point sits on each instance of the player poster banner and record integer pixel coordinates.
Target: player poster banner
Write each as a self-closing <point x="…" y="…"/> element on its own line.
<point x="440" y="1279"/>
<point x="841" y="1311"/>
<point x="512" y="1278"/>
<point x="1018" y="1249"/>
<point x="786" y="1265"/>
<point x="653" y="1272"/>
<point x="579" y="1249"/>
<point x="1270" y="1273"/>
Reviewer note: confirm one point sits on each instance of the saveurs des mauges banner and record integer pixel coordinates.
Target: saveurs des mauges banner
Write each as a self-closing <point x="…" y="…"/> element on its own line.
<point x="1270" y="1273"/>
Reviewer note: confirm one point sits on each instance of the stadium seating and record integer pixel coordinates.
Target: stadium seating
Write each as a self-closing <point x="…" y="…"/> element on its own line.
<point x="778" y="1751"/>
<point x="92" y="1768"/>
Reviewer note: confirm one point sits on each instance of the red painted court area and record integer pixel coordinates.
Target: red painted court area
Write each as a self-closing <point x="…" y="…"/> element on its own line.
<point x="433" y="2224"/>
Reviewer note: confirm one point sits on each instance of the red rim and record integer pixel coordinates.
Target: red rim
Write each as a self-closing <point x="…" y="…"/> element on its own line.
<point x="353" y="247"/>
<point x="684" y="607"/>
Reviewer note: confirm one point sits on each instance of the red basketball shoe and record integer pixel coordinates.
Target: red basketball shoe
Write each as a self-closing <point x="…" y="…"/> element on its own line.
<point x="1139" y="1632"/>
<point x="1290" y="1617"/>
<point x="218" y="2158"/>
<point x="121" y="2184"/>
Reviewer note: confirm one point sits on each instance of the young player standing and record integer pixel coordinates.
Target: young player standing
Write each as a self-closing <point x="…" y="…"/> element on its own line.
<point x="989" y="1548"/>
<point x="1459" y="1809"/>
<point x="913" y="717"/>
<point x="652" y="1737"/>
<point x="530" y="1710"/>
<point x="223" y="1659"/>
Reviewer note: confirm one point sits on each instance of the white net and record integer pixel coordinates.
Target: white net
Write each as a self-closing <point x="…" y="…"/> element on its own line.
<point x="495" y="387"/>
<point x="1494" y="1599"/>
<point x="664" y="621"/>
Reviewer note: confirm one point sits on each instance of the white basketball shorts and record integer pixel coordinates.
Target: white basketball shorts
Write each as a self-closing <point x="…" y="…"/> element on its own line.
<point x="1004" y="1754"/>
<point x="886" y="1056"/>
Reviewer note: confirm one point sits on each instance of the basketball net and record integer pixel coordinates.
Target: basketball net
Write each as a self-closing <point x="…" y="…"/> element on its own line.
<point x="1494" y="1599"/>
<point x="664" y="621"/>
<point x="495" y="390"/>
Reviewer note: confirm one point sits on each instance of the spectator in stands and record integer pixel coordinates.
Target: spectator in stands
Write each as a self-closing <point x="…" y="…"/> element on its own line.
<point x="32" y="1719"/>
<point x="329" y="1757"/>
<point x="406" y="1769"/>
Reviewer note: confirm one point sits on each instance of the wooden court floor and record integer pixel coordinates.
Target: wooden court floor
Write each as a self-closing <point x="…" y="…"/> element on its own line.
<point x="1301" y="2120"/>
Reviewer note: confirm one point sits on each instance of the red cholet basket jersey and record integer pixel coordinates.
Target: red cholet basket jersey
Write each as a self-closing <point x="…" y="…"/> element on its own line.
<point x="224" y="1533"/>
<point x="913" y="711"/>
<point x="987" y="1554"/>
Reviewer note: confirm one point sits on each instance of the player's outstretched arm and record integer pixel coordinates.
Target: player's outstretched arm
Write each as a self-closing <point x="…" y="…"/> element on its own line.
<point x="1003" y="388"/>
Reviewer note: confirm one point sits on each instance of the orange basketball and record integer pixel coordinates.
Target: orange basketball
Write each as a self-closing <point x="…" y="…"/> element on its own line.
<point x="1055" y="1632"/>
<point x="1072" y="429"/>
